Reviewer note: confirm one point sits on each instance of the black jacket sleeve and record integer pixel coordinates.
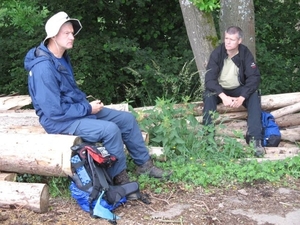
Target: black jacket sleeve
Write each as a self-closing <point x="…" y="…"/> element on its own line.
<point x="213" y="70"/>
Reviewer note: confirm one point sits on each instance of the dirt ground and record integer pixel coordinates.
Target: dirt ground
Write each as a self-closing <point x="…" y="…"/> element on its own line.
<point x="258" y="204"/>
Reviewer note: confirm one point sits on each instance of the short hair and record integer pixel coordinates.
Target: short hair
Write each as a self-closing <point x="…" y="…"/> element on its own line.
<point x="234" y="30"/>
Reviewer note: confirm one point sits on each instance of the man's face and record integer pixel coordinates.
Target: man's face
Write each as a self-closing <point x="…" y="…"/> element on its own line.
<point x="65" y="36"/>
<point x="232" y="41"/>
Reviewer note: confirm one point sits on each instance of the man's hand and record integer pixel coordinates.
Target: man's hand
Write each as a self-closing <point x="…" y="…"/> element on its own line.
<point x="227" y="100"/>
<point x="231" y="102"/>
<point x="237" y="102"/>
<point x="97" y="106"/>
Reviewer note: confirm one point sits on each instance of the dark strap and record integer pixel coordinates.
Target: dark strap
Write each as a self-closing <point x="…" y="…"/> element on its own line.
<point x="99" y="182"/>
<point x="98" y="173"/>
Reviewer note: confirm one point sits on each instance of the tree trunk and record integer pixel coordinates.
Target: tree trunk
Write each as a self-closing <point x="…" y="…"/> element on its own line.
<point x="202" y="34"/>
<point x="33" y="196"/>
<point x="241" y="14"/>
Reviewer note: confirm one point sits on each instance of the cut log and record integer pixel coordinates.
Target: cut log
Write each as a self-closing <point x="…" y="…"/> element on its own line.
<point x="227" y="117"/>
<point x="268" y="103"/>
<point x="276" y="101"/>
<point x="291" y="135"/>
<point x="273" y="157"/>
<point x="288" y="120"/>
<point x="282" y="150"/>
<point x="286" y="110"/>
<point x="33" y="196"/>
<point x="23" y="129"/>
<point x="14" y="102"/>
<point x="158" y="153"/>
<point x="8" y="176"/>
<point x="42" y="154"/>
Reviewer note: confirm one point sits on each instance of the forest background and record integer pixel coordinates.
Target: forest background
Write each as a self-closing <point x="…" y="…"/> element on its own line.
<point x="137" y="50"/>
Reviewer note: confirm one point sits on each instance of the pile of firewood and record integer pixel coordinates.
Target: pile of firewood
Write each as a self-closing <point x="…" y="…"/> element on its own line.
<point x="26" y="148"/>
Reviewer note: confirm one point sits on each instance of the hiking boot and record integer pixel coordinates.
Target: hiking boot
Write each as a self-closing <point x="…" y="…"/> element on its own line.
<point x="259" y="150"/>
<point x="153" y="171"/>
<point x="121" y="178"/>
<point x="77" y="141"/>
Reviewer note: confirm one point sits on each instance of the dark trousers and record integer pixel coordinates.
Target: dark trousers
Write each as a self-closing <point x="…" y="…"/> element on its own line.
<point x="252" y="104"/>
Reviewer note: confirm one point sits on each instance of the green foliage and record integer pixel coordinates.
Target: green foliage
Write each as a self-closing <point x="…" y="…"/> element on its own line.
<point x="199" y="159"/>
<point x="115" y="35"/>
<point x="186" y="83"/>
<point x="17" y="26"/>
<point x="206" y="5"/>
<point x="177" y="130"/>
<point x="135" y="50"/>
<point x="277" y="44"/>
<point x="58" y="186"/>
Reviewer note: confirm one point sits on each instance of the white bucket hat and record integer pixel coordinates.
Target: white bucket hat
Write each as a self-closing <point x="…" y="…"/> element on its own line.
<point x="56" y="21"/>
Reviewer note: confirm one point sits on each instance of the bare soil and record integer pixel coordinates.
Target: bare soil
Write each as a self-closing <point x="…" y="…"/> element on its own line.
<point x="258" y="204"/>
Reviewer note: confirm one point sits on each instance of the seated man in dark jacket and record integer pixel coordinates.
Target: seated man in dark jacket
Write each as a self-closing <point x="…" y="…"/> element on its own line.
<point x="62" y="107"/>
<point x="233" y="78"/>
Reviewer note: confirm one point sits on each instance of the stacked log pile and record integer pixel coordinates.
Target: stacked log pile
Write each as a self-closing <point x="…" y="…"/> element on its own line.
<point x="26" y="148"/>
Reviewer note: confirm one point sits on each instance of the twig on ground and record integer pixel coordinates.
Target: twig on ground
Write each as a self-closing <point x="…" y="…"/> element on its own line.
<point x="145" y="205"/>
<point x="283" y="203"/>
<point x="166" y="201"/>
<point x="203" y="203"/>
<point x="171" y="221"/>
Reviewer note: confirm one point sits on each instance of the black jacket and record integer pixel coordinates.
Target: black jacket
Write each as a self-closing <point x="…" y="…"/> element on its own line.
<point x="249" y="75"/>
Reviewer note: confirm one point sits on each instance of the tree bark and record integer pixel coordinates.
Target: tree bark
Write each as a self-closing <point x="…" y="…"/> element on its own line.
<point x="288" y="120"/>
<point x="14" y="102"/>
<point x="241" y="14"/>
<point x="202" y="34"/>
<point x="286" y="110"/>
<point x="43" y="154"/>
<point x="8" y="176"/>
<point x="33" y="196"/>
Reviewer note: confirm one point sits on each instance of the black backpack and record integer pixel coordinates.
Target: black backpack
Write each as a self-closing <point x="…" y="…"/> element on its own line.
<point x="88" y="164"/>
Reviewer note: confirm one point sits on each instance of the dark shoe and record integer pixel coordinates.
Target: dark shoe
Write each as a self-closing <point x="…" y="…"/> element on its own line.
<point x="153" y="171"/>
<point x="259" y="150"/>
<point x="77" y="141"/>
<point x="121" y="178"/>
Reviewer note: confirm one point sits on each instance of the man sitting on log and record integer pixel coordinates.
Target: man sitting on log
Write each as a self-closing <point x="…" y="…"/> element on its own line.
<point x="63" y="108"/>
<point x="232" y="78"/>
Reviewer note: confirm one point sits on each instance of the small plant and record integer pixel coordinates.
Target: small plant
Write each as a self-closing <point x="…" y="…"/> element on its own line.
<point x="58" y="186"/>
<point x="198" y="157"/>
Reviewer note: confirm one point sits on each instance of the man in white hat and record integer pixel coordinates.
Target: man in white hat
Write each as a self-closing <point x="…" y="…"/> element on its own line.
<point x="63" y="108"/>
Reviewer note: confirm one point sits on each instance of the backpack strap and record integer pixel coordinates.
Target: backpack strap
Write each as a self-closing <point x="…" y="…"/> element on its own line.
<point x="99" y="181"/>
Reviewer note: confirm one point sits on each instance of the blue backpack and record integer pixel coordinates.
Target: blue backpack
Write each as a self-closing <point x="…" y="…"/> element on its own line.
<point x="270" y="130"/>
